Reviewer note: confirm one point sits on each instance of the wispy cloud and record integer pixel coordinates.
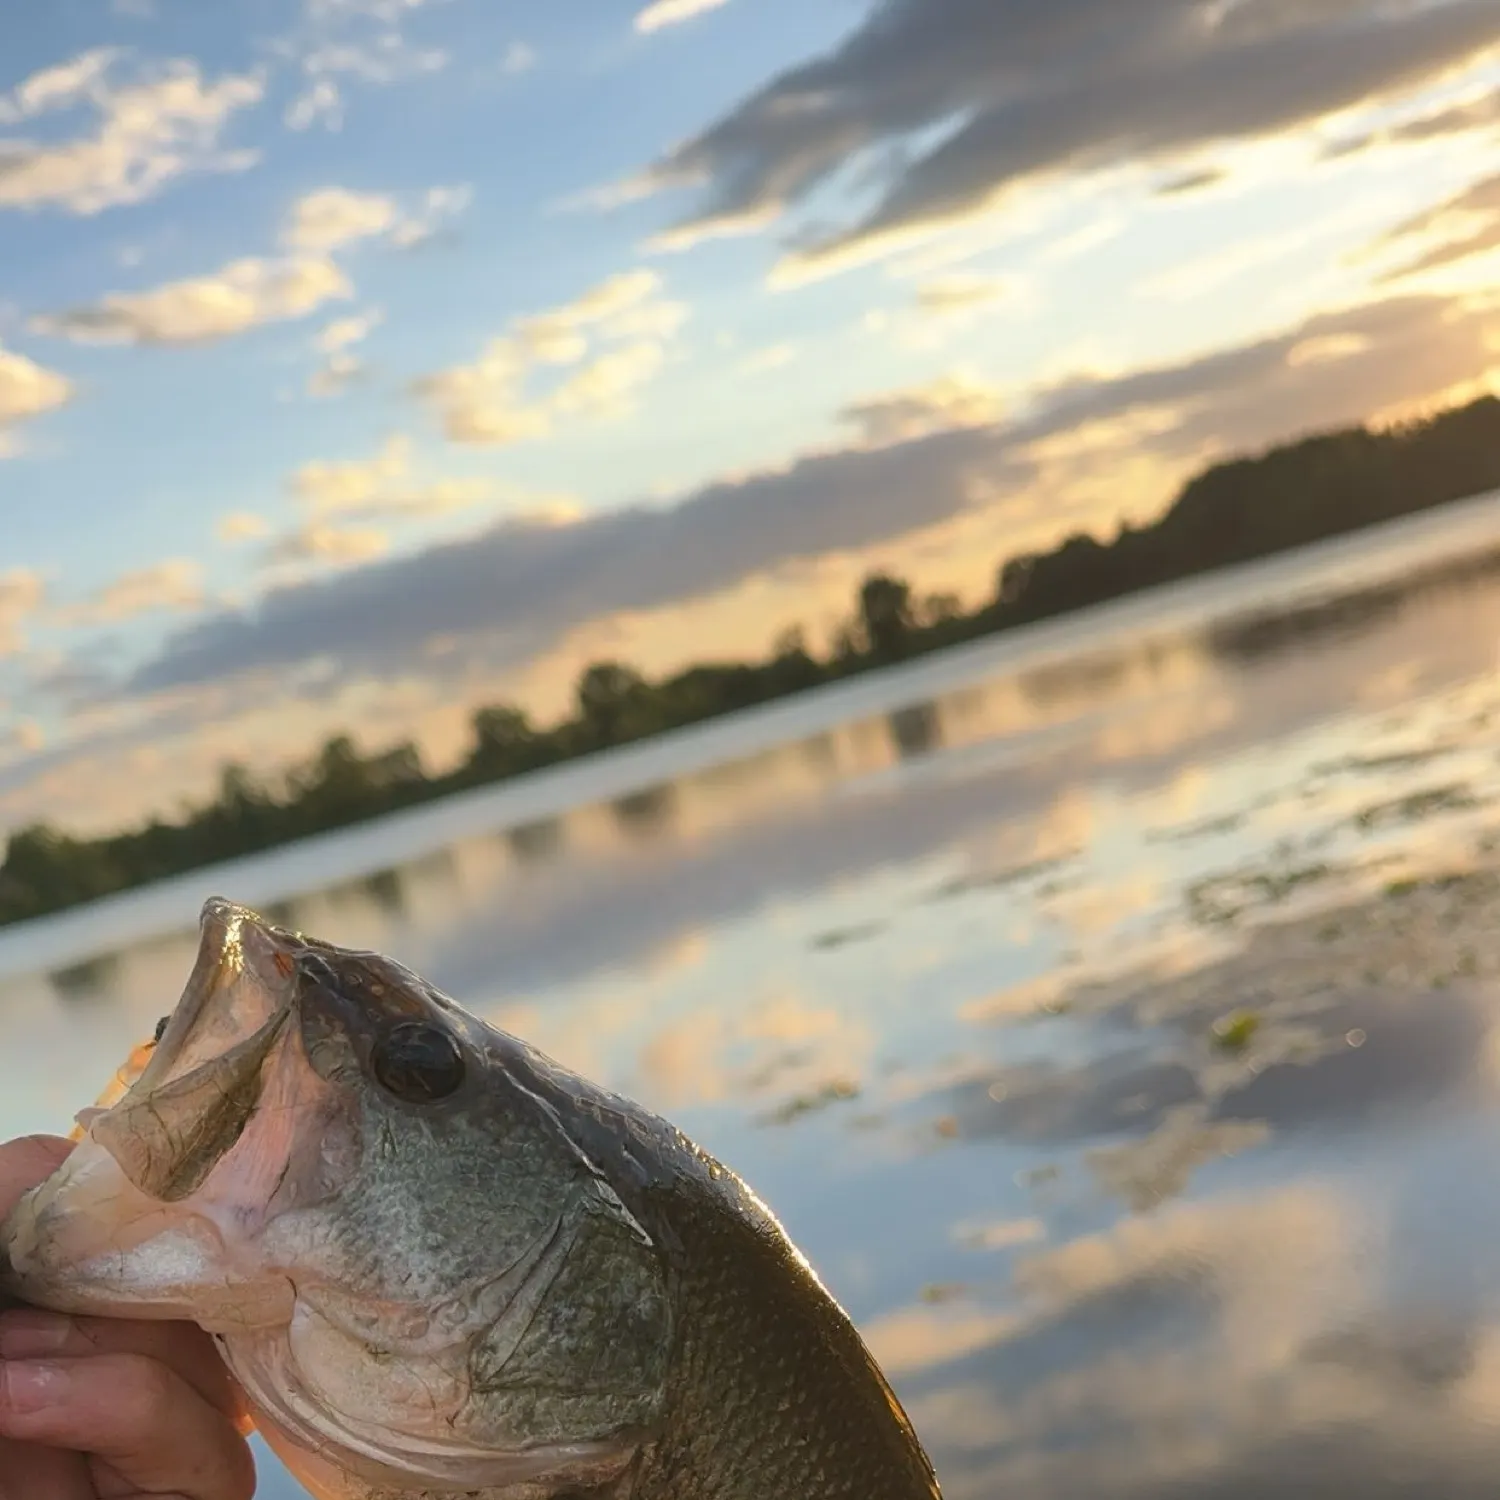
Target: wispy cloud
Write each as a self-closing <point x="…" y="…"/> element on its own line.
<point x="1459" y="228"/>
<point x="329" y="218"/>
<point x="333" y="218"/>
<point x="27" y="389"/>
<point x="329" y="488"/>
<point x="440" y="206"/>
<point x="59" y="87"/>
<point x="616" y="336"/>
<point x="22" y="592"/>
<point x="240" y="526"/>
<point x="241" y="296"/>
<point x="163" y="125"/>
<point x="519" y="58"/>
<point x="664" y="13"/>
<point x="338" y="43"/>
<point x="963" y="292"/>
<point x="323" y="542"/>
<point x="340" y="500"/>
<point x="336" y="343"/>
<point x="175" y="584"/>
<point x="953" y="401"/>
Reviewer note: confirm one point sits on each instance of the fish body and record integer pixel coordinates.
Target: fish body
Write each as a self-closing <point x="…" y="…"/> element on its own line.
<point x="442" y="1265"/>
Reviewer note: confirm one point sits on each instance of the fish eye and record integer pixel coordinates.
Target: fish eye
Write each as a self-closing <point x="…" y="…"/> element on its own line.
<point x="161" y="1030"/>
<point x="418" y="1063"/>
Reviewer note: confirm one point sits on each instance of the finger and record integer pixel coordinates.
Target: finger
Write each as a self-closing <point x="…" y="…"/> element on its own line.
<point x="26" y="1162"/>
<point x="183" y="1347"/>
<point x="31" y="1473"/>
<point x="143" y="1418"/>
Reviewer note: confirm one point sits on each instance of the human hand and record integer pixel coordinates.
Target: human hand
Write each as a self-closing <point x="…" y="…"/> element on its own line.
<point x="106" y="1409"/>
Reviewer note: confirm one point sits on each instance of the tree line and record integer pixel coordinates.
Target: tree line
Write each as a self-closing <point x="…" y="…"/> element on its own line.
<point x="1233" y="512"/>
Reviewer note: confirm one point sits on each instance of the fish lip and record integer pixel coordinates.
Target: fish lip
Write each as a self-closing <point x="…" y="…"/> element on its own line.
<point x="230" y="937"/>
<point x="236" y="948"/>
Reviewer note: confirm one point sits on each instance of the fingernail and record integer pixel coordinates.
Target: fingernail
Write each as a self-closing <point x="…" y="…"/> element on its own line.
<point x="31" y="1387"/>
<point x="29" y="1335"/>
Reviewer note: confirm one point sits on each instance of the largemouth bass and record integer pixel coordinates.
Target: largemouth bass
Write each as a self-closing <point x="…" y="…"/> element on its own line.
<point x="441" y="1264"/>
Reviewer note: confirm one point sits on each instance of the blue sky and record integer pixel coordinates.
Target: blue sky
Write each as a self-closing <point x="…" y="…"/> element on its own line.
<point x="364" y="360"/>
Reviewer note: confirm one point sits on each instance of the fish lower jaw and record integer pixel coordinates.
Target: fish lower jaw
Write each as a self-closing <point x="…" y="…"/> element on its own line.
<point x="338" y="1456"/>
<point x="87" y="1241"/>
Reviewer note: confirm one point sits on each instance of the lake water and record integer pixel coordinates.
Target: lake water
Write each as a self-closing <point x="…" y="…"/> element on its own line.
<point x="1109" y="1011"/>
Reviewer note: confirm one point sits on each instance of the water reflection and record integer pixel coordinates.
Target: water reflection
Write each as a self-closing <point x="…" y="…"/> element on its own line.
<point x="647" y="813"/>
<point x="93" y="979"/>
<point x="916" y="730"/>
<point x="536" y="841"/>
<point x="1117" y="1034"/>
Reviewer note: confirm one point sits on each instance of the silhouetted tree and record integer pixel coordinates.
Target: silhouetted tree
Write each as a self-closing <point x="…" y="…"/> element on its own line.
<point x="505" y="741"/>
<point x="885" y="616"/>
<point x="606" y="694"/>
<point x="1234" y="511"/>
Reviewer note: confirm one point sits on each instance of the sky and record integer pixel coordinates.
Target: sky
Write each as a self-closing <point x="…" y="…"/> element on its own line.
<point x="365" y="361"/>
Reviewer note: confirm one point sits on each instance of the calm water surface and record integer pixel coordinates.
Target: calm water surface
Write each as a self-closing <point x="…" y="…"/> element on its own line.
<point x="1111" y="1018"/>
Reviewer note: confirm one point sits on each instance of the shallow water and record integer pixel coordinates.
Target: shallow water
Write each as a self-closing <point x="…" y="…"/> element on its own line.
<point x="1114" y="1028"/>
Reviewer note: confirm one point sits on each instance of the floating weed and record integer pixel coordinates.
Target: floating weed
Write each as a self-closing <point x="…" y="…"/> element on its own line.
<point x="834" y="1092"/>
<point x="962" y="885"/>
<point x="938" y="1292"/>
<point x="841" y="937"/>
<point x="1427" y="803"/>
<point x="1235" y="1033"/>
<point x="1220" y="899"/>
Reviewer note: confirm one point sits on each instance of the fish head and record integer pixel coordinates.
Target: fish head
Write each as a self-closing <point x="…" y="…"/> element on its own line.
<point x="385" y="1212"/>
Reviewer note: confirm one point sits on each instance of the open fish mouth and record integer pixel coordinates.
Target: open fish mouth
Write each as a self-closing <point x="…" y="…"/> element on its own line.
<point x="382" y="1208"/>
<point x="155" y="1212"/>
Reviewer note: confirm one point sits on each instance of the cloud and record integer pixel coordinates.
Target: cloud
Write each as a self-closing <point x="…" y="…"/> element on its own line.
<point x="1468" y="115"/>
<point x="1015" y="91"/>
<point x="174" y="584"/>
<point x="1193" y="180"/>
<point x="1463" y="226"/>
<point x="902" y="416"/>
<point x="22" y="592"/>
<point x="606" y="386"/>
<point x="240" y="526"/>
<point x="320" y="542"/>
<point x="149" y="132"/>
<point x="329" y="218"/>
<point x="241" y="296"/>
<point x="340" y="366"/>
<point x="320" y="101"/>
<point x="335" y="375"/>
<point x="515" y="588"/>
<point x="28" y="390"/>
<point x="490" y="401"/>
<point x="326" y="488"/>
<point x="664" y="13"/>
<point x="519" y="58"/>
<point x="343" y="332"/>
<point x="440" y="206"/>
<point x="381" y="488"/>
<point x="347" y="41"/>
<point x="332" y="218"/>
<point x="58" y="87"/>
<point x="964" y="292"/>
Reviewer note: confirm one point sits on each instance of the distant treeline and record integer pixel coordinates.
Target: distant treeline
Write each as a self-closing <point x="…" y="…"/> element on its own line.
<point x="1233" y="512"/>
